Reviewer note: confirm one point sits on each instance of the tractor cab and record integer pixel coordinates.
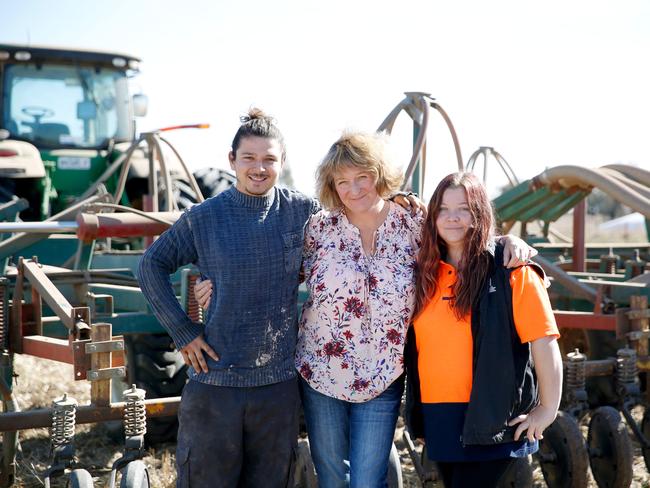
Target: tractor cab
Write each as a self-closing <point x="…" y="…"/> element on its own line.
<point x="75" y="109"/>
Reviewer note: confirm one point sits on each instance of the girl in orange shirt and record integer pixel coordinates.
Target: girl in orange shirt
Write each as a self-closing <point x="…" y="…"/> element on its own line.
<point x="478" y="329"/>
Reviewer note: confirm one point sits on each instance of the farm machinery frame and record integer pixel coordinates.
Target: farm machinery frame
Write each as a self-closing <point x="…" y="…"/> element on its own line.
<point x="84" y="308"/>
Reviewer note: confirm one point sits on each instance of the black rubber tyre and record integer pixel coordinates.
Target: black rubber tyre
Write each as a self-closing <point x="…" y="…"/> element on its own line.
<point x="610" y="449"/>
<point x="213" y="181"/>
<point x="80" y="478"/>
<point x="155" y="366"/>
<point x="135" y="475"/>
<point x="183" y="193"/>
<point x="563" y="454"/>
<point x="518" y="475"/>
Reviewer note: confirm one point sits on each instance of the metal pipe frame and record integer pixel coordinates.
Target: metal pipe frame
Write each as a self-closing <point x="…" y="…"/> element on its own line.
<point x="88" y="414"/>
<point x="69" y="315"/>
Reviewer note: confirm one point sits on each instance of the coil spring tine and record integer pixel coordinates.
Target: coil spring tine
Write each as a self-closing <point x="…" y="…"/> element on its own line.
<point x="135" y="412"/>
<point x="63" y="421"/>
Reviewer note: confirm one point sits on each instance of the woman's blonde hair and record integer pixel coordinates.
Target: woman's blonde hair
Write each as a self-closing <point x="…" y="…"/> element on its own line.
<point x="362" y="150"/>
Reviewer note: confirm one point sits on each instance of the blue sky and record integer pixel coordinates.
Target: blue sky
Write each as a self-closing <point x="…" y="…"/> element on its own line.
<point x="544" y="83"/>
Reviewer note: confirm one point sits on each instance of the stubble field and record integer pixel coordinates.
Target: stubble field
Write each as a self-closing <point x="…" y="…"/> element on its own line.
<point x="40" y="381"/>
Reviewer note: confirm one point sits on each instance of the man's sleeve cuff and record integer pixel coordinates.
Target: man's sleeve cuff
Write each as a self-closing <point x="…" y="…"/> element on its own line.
<point x="185" y="334"/>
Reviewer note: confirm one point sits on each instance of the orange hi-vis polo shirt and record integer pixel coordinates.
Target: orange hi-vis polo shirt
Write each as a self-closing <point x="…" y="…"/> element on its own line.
<point x="444" y="343"/>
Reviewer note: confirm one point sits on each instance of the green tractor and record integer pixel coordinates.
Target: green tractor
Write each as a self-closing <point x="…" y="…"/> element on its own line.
<point x="65" y="117"/>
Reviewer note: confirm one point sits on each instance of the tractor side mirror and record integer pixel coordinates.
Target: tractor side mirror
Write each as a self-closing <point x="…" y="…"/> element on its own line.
<point x="86" y="110"/>
<point x="4" y="134"/>
<point x="140" y="105"/>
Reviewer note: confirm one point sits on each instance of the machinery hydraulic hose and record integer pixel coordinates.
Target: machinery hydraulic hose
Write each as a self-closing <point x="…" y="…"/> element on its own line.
<point x="568" y="176"/>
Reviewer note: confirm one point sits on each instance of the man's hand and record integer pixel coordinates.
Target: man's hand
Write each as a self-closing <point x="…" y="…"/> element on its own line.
<point x="411" y="203"/>
<point x="516" y="252"/>
<point x="534" y="423"/>
<point x="193" y="354"/>
<point x="203" y="293"/>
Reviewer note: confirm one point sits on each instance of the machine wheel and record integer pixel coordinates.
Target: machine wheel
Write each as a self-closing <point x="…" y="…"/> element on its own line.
<point x="80" y="478"/>
<point x="213" y="181"/>
<point x="155" y="366"/>
<point x="304" y="472"/>
<point x="394" y="478"/>
<point x="610" y="449"/>
<point x="135" y="475"/>
<point x="563" y="455"/>
<point x="518" y="475"/>
<point x="645" y="428"/>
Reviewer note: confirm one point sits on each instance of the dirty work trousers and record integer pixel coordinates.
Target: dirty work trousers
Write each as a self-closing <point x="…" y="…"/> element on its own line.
<point x="237" y="437"/>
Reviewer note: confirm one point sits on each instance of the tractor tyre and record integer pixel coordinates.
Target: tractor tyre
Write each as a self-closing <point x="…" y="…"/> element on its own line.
<point x="213" y="181"/>
<point x="80" y="478"/>
<point x="155" y="366"/>
<point x="183" y="194"/>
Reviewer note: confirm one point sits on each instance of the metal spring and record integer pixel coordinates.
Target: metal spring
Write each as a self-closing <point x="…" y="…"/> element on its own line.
<point x="608" y="262"/>
<point x="194" y="311"/>
<point x="135" y="412"/>
<point x="626" y="369"/>
<point x="576" y="370"/>
<point x="4" y="319"/>
<point x="63" y="421"/>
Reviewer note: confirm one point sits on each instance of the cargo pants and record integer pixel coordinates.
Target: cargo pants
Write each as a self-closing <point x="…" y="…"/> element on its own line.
<point x="237" y="437"/>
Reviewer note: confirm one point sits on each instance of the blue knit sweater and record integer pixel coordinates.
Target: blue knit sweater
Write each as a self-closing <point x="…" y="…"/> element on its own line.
<point x="251" y="249"/>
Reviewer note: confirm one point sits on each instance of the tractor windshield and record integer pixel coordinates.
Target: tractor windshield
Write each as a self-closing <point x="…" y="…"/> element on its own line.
<point x="56" y="106"/>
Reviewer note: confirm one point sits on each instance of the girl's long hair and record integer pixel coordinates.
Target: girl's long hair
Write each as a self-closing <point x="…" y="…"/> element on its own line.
<point x="474" y="263"/>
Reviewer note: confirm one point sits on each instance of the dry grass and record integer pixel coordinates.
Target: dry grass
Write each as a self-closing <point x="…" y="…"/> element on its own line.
<point x="41" y="381"/>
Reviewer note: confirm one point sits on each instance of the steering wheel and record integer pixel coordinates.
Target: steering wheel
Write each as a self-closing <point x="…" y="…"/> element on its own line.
<point x="37" y="112"/>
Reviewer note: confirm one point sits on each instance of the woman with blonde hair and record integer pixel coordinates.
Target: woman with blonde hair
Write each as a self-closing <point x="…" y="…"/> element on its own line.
<point x="359" y="264"/>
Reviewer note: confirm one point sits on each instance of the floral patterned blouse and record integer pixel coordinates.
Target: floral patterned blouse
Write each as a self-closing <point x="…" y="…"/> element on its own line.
<point x="354" y="323"/>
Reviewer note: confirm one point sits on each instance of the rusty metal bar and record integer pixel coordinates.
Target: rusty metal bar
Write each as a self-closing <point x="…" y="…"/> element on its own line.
<point x="48" y="348"/>
<point x="52" y="296"/>
<point x="585" y="320"/>
<point x="600" y="367"/>
<point x="88" y="414"/>
<point x="579" y="252"/>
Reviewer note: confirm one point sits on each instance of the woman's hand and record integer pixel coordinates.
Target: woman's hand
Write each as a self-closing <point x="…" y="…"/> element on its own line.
<point x="516" y="252"/>
<point x="203" y="293"/>
<point x="411" y="203"/>
<point x="534" y="423"/>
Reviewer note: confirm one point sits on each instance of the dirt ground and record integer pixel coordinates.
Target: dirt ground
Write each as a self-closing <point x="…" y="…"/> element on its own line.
<point x="40" y="381"/>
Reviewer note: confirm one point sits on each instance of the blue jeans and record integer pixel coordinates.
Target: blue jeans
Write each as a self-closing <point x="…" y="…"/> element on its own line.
<point x="350" y="442"/>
